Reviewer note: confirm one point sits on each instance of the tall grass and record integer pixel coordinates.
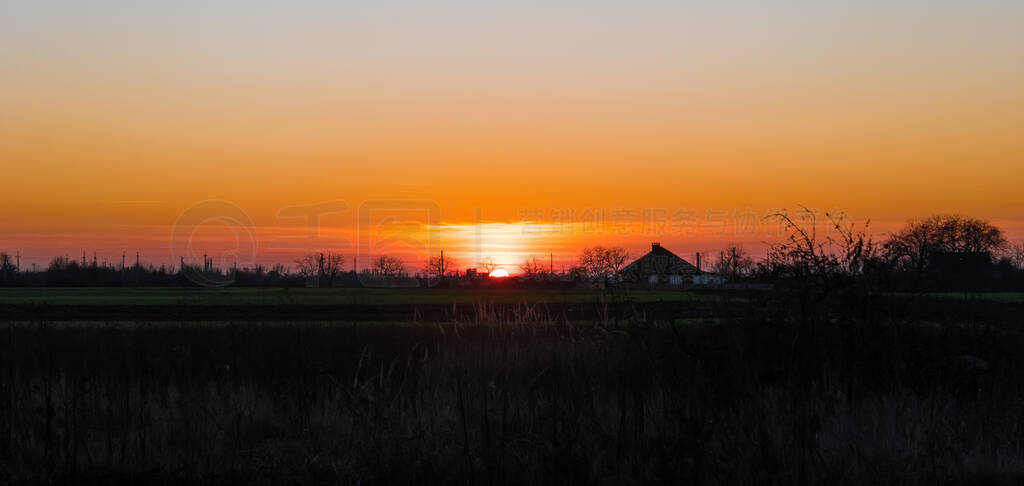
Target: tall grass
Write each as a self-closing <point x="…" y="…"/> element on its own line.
<point x="764" y="395"/>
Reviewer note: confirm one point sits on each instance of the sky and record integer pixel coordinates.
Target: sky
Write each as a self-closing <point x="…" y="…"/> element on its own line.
<point x="517" y="124"/>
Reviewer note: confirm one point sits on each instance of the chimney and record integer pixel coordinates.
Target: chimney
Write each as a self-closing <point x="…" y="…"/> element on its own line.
<point x="655" y="246"/>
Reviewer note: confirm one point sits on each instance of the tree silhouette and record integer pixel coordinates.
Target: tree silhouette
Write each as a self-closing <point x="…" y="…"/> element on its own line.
<point x="733" y="262"/>
<point x="307" y="265"/>
<point x="600" y="263"/>
<point x="1015" y="254"/>
<point x="388" y="266"/>
<point x="331" y="266"/>
<point x="532" y="267"/>
<point x="487" y="265"/>
<point x="8" y="268"/>
<point x="822" y="264"/>
<point x="913" y="245"/>
<point x="439" y="266"/>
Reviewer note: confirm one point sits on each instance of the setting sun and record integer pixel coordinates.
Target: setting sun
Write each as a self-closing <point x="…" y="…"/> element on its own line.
<point x="499" y="273"/>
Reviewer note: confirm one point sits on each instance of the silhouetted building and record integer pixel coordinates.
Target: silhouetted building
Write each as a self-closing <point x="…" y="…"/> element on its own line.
<point x="659" y="267"/>
<point x="708" y="279"/>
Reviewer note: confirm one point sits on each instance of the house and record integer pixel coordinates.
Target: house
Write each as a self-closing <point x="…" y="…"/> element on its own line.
<point x="659" y="267"/>
<point x="708" y="279"/>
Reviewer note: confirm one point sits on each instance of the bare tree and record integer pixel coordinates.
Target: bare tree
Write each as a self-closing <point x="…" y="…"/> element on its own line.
<point x="532" y="267"/>
<point x="388" y="266"/>
<point x="61" y="263"/>
<point x="326" y="267"/>
<point x="1015" y="254"/>
<point x="913" y="246"/>
<point x="8" y="268"/>
<point x="733" y="262"/>
<point x="6" y="263"/>
<point x="331" y="267"/>
<point x="487" y="265"/>
<point x="277" y="270"/>
<point x="600" y="263"/>
<point x="439" y="266"/>
<point x="307" y="265"/>
<point x="615" y="259"/>
<point x="823" y="263"/>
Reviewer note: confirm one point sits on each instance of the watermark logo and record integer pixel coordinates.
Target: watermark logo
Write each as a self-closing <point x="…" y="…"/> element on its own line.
<point x="208" y="213"/>
<point x="319" y="265"/>
<point x="389" y="231"/>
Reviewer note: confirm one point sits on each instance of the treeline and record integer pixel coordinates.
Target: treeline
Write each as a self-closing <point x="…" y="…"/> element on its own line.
<point x="65" y="272"/>
<point x="935" y="253"/>
<point x="941" y="252"/>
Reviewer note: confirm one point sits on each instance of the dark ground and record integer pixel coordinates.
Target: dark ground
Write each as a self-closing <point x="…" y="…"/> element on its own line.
<point x="767" y="389"/>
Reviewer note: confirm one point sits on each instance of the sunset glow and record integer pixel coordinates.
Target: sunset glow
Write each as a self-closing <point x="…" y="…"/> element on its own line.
<point x="120" y="117"/>
<point x="469" y="242"/>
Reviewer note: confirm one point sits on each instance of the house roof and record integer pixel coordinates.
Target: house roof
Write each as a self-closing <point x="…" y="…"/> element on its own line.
<point x="660" y="261"/>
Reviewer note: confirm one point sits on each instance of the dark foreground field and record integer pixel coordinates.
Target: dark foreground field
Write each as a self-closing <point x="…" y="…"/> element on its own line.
<point x="762" y="390"/>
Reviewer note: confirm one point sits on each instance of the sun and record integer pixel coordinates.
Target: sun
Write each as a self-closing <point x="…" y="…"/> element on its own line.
<point x="499" y="273"/>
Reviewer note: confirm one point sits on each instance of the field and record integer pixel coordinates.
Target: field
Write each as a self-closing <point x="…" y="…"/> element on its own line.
<point x="306" y="386"/>
<point x="370" y="296"/>
<point x="1004" y="297"/>
<point x="339" y="304"/>
<point x="334" y="296"/>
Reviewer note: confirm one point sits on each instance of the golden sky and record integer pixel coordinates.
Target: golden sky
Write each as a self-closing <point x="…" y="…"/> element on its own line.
<point x="116" y="118"/>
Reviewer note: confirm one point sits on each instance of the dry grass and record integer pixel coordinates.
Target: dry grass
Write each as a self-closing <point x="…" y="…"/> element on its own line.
<point x="514" y="397"/>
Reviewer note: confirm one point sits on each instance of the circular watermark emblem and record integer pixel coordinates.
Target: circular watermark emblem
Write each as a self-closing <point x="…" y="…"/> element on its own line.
<point x="196" y="265"/>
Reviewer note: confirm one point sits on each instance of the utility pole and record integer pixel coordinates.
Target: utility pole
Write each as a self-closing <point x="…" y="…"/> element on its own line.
<point x="136" y="259"/>
<point x="83" y="258"/>
<point x="123" y="254"/>
<point x="440" y="263"/>
<point x="551" y="262"/>
<point x="698" y="262"/>
<point x="18" y="257"/>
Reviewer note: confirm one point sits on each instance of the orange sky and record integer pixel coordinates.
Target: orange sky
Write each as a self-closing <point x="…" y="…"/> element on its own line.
<point x="117" y="118"/>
